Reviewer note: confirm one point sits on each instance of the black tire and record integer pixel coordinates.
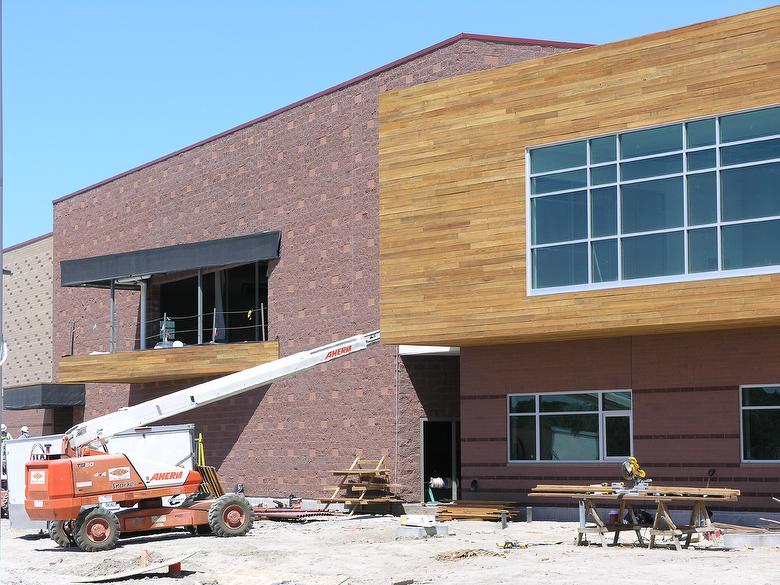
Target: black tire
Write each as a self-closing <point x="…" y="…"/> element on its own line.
<point x="59" y="531"/>
<point x="96" y="529"/>
<point x="230" y="515"/>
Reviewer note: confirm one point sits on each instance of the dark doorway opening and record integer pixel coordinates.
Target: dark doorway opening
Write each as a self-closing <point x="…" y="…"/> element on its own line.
<point x="61" y="419"/>
<point x="441" y="458"/>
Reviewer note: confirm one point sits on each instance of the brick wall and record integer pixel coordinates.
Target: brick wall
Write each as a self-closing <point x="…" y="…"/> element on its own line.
<point x="686" y="413"/>
<point x="310" y="172"/>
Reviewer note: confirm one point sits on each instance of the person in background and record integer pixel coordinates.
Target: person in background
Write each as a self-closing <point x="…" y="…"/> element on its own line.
<point x="25" y="432"/>
<point x="4" y="434"/>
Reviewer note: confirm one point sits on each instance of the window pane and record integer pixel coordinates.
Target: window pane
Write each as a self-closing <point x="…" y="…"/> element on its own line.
<point x="569" y="437"/>
<point x="604" y="262"/>
<point x="701" y="159"/>
<point x="702" y="199"/>
<point x="653" y="255"/>
<point x="568" y="402"/>
<point x="559" y="182"/>
<point x="560" y="218"/>
<point x="750" y="125"/>
<point x="767" y="396"/>
<point x="651" y="167"/>
<point x="703" y="250"/>
<point x="603" y="175"/>
<point x="746" y="245"/>
<point x="617" y="436"/>
<point x="752" y="151"/>
<point x="603" y="211"/>
<point x="652" y="205"/>
<point x="603" y="149"/>
<point x="617" y="400"/>
<point x="522" y="438"/>
<point x="760" y="439"/>
<point x="560" y="265"/>
<point x="653" y="141"/>
<point x="751" y="192"/>
<point x="522" y="404"/>
<point x="563" y="156"/>
<point x="701" y="133"/>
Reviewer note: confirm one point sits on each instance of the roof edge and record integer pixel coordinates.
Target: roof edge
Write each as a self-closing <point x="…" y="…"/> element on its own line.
<point x="342" y="85"/>
<point x="27" y="242"/>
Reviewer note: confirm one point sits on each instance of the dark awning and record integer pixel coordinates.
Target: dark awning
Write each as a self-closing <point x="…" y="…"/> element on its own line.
<point x="43" y="396"/>
<point x="101" y="270"/>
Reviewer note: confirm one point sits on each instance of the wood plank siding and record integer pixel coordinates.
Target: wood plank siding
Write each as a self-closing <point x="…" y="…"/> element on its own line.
<point x="452" y="179"/>
<point x="181" y="363"/>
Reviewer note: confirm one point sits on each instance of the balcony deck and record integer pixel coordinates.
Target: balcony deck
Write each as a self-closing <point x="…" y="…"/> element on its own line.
<point x="136" y="367"/>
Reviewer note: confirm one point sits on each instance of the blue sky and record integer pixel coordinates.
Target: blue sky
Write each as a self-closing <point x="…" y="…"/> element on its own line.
<point x="95" y="87"/>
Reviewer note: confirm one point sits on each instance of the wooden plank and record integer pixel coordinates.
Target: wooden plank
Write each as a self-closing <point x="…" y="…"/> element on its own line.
<point x="155" y="365"/>
<point x="452" y="185"/>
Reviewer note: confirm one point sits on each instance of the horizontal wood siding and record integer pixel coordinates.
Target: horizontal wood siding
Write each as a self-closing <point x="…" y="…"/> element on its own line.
<point x="137" y="367"/>
<point x="452" y="180"/>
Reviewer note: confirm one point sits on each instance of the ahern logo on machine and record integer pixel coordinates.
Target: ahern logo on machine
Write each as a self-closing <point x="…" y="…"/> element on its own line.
<point x="334" y="353"/>
<point x="166" y="476"/>
<point x="118" y="473"/>
<point x="37" y="476"/>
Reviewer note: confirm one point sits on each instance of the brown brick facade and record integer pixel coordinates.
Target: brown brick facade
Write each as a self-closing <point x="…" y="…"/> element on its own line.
<point x="686" y="411"/>
<point x="311" y="172"/>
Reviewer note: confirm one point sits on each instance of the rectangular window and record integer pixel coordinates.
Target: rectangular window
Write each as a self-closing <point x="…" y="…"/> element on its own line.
<point x="687" y="201"/>
<point x="760" y="407"/>
<point x="574" y="426"/>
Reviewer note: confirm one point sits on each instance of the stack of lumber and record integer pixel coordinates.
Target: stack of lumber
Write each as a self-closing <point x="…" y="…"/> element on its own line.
<point x="366" y="482"/>
<point x="479" y="510"/>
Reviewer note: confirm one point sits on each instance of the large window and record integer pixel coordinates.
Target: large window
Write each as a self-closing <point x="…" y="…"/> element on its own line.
<point x="581" y="426"/>
<point x="685" y="201"/>
<point x="760" y="423"/>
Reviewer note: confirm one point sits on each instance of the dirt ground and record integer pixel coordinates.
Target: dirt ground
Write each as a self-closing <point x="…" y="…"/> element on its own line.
<point x="364" y="550"/>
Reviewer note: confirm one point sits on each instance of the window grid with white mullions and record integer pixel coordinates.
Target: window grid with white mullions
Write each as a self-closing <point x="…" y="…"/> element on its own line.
<point x="685" y="201"/>
<point x="569" y="426"/>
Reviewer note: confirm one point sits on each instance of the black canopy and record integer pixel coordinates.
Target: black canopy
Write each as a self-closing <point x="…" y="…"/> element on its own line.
<point x="43" y="396"/>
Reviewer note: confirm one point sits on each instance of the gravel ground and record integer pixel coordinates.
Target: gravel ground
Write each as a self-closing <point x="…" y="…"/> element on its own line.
<point x="366" y="551"/>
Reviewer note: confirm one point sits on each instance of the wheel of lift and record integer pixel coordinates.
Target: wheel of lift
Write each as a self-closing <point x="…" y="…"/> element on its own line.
<point x="96" y="529"/>
<point x="61" y="532"/>
<point x="230" y="515"/>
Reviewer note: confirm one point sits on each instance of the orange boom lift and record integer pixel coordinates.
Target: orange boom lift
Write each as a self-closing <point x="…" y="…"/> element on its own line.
<point x="68" y="489"/>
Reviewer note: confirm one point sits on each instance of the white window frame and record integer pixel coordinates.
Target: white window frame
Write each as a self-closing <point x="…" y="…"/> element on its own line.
<point x="741" y="425"/>
<point x="718" y="225"/>
<point x="602" y="414"/>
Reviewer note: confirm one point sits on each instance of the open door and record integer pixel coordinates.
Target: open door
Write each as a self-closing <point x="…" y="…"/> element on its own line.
<point x="440" y="459"/>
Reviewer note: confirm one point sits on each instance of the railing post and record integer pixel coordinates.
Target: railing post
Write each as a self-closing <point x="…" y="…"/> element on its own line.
<point x="142" y="344"/>
<point x="111" y="318"/>
<point x="200" y="306"/>
<point x="72" y="338"/>
<point x="257" y="299"/>
<point x="262" y="320"/>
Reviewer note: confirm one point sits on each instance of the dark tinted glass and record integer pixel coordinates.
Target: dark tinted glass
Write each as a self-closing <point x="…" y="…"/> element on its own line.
<point x="560" y="218"/>
<point x="750" y="152"/>
<point x="603" y="175"/>
<point x="701" y="133"/>
<point x="559" y="182"/>
<point x="651" y="167"/>
<point x="616" y="400"/>
<point x="701" y="159"/>
<point x="653" y="255"/>
<point x="760" y="439"/>
<point x="522" y="438"/>
<point x="747" y="245"/>
<point x="560" y="265"/>
<point x="703" y="250"/>
<point x="568" y="402"/>
<point x="764" y="396"/>
<point x="603" y="149"/>
<point x="603" y="211"/>
<point x="702" y="199"/>
<point x="617" y="436"/>
<point x="652" y="205"/>
<point x="748" y="192"/>
<point x="522" y="404"/>
<point x="562" y="156"/>
<point x="604" y="261"/>
<point x="569" y="437"/>
<point x="652" y="141"/>
<point x="750" y="125"/>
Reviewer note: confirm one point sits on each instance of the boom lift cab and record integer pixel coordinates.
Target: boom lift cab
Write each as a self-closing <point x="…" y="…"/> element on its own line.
<point x="68" y="489"/>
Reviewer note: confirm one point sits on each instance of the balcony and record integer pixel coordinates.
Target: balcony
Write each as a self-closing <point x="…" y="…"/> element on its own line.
<point x="159" y="365"/>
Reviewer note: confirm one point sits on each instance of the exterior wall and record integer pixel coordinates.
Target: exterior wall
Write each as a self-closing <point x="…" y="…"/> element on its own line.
<point x="27" y="321"/>
<point x="311" y="172"/>
<point x="686" y="409"/>
<point x="452" y="168"/>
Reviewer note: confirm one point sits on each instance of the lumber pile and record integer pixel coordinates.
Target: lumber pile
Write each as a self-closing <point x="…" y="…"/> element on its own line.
<point x="366" y="482"/>
<point x="479" y="510"/>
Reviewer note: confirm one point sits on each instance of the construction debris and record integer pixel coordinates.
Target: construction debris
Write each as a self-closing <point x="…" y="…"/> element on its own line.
<point x="483" y="510"/>
<point x="366" y="482"/>
<point x="465" y="553"/>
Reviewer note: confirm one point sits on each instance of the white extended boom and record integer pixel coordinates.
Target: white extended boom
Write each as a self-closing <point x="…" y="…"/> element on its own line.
<point x="99" y="430"/>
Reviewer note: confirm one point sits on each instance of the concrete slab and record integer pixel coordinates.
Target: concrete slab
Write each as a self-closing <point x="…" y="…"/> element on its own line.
<point x="753" y="539"/>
